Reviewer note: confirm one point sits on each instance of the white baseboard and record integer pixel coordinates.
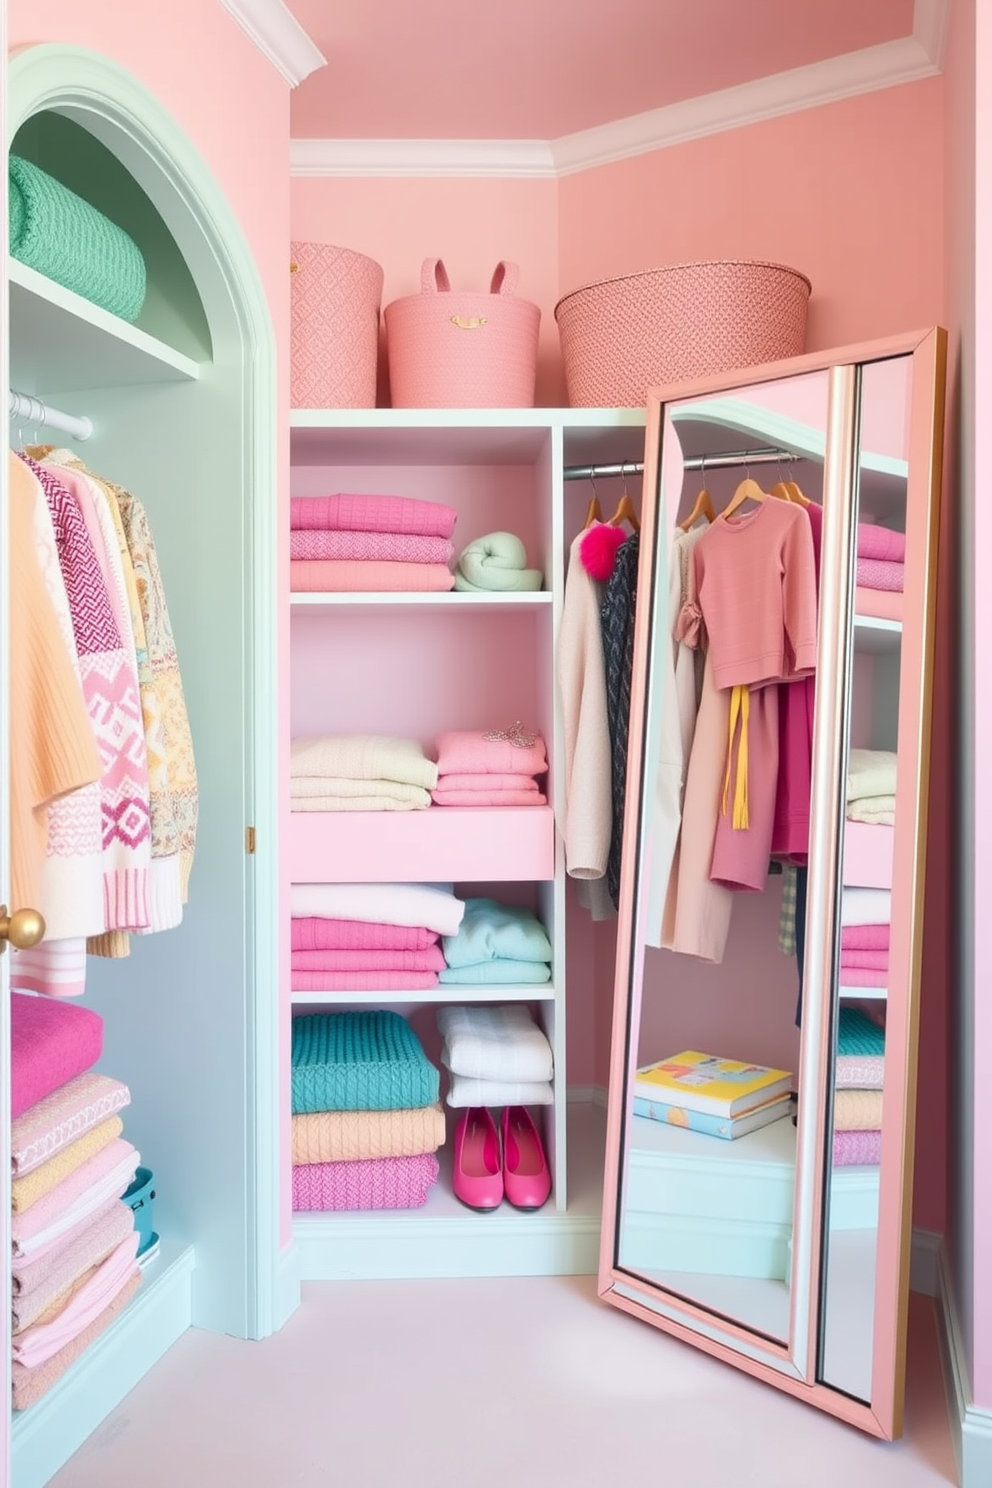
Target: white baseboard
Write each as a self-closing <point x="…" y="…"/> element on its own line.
<point x="588" y="1095"/>
<point x="971" y="1425"/>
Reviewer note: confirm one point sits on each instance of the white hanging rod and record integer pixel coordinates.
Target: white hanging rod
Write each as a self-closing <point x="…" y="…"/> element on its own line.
<point x="766" y="455"/>
<point x="33" y="411"/>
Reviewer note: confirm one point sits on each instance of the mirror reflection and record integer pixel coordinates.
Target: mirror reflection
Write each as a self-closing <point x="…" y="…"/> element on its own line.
<point x="709" y="1156"/>
<point x="862" y="977"/>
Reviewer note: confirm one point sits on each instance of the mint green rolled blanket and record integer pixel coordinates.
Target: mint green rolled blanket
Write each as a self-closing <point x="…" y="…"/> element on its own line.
<point x="63" y="237"/>
<point x="496" y="563"/>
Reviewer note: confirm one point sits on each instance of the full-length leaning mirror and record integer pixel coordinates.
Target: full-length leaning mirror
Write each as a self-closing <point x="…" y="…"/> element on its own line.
<point x="762" y="1086"/>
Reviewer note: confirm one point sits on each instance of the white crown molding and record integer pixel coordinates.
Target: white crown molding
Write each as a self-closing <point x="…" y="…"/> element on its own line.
<point x="907" y="60"/>
<point x="447" y="157"/>
<point x="279" y="37"/>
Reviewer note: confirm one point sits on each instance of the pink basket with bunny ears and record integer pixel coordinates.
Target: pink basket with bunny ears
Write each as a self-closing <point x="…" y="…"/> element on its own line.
<point x="458" y="350"/>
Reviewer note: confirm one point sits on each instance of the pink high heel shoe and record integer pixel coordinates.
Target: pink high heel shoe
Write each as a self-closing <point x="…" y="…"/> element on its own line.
<point x="526" y="1179"/>
<point x="477" y="1177"/>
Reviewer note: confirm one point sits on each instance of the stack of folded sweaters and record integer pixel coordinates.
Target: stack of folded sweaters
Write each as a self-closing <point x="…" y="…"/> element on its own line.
<point x="871" y="786"/>
<point x="360" y="772"/>
<point x="881" y="571"/>
<point x="859" y="1078"/>
<point x="366" y="1116"/>
<point x="864" y="937"/>
<point x="497" y="945"/>
<point x="497" y="1056"/>
<point x="370" y="937"/>
<point x="497" y="767"/>
<point x="73" y="1241"/>
<point x="370" y="544"/>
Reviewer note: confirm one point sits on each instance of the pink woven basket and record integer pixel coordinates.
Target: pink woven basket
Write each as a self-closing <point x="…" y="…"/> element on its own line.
<point x="335" y="331"/>
<point x="462" y="350"/>
<point x="621" y="336"/>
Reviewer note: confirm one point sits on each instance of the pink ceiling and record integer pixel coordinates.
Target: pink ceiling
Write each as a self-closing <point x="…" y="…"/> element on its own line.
<point x="538" y="69"/>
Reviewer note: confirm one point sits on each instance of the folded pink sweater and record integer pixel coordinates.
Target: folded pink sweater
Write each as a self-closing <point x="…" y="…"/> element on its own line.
<point x="48" y="1278"/>
<point x="860" y="976"/>
<point x="491" y="782"/>
<point x="312" y="934"/>
<point x="881" y="542"/>
<point x="864" y="938"/>
<point x="881" y="604"/>
<point x="460" y="753"/>
<point x="50" y="1043"/>
<point x="59" y="1200"/>
<point x="29" y="1385"/>
<point x="26" y="1269"/>
<point x="870" y="960"/>
<point x="362" y="981"/>
<point x="342" y="513"/>
<point x="488" y="798"/>
<point x="877" y="573"/>
<point x="67" y="1114"/>
<point x="351" y="576"/>
<point x="431" y="959"/>
<point x="390" y="547"/>
<point x="39" y="1342"/>
<point x="370" y="1183"/>
<point x="857" y="1148"/>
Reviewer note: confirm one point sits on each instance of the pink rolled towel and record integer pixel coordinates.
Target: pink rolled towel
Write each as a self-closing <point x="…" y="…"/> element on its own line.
<point x="490" y="782"/>
<point x="488" y="798"/>
<point x="388" y="547"/>
<point x="857" y="1149"/>
<point x="354" y="577"/>
<point x="369" y="1183"/>
<point x="362" y="981"/>
<point x="343" y="513"/>
<point x="864" y="938"/>
<point x="431" y="959"/>
<point x="29" y="1385"/>
<point x="868" y="960"/>
<point x="460" y="753"/>
<point x="879" y="604"/>
<point x="309" y="933"/>
<point x="875" y="573"/>
<point x="881" y="542"/>
<point x="50" y="1043"/>
<point x="860" y="976"/>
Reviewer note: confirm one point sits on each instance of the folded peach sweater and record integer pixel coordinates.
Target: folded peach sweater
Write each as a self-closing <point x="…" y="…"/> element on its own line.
<point x="336" y="576"/>
<point x="351" y="1136"/>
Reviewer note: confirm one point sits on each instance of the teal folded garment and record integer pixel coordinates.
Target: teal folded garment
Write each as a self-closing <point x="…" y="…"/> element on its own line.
<point x="365" y="1061"/>
<point x="490" y="931"/>
<point x="496" y="563"/>
<point x="65" y="238"/>
<point x="497" y="974"/>
<point x="857" y="1034"/>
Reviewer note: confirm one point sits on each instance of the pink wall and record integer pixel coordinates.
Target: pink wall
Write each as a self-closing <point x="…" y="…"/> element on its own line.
<point x="203" y="69"/>
<point x="850" y="194"/>
<point x="470" y="224"/>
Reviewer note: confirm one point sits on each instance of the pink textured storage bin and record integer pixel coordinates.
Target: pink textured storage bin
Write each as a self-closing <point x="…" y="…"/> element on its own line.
<point x="462" y="350"/>
<point x="621" y="336"/>
<point x="335" y="336"/>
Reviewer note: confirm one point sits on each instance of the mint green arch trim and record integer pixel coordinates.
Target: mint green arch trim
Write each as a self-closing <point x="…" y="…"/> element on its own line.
<point x="120" y="111"/>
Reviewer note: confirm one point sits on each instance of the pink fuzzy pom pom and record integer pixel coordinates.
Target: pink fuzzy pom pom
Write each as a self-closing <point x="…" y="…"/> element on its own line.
<point x="598" y="549"/>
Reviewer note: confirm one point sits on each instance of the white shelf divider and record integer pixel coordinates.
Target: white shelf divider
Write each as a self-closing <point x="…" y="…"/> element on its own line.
<point x="399" y="603"/>
<point x="427" y="996"/>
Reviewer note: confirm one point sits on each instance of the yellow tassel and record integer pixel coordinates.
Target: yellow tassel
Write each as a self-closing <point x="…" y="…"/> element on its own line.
<point x="741" y="821"/>
<point x="735" y="700"/>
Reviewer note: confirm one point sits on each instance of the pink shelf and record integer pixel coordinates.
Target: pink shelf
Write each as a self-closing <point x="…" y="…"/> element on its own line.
<point x="442" y="844"/>
<point x="868" y="853"/>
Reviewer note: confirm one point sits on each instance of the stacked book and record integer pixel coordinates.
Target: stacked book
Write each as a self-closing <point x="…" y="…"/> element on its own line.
<point x="714" y="1096"/>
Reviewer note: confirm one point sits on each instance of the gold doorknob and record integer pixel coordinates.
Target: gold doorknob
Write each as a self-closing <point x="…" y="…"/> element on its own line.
<point x="24" y="929"/>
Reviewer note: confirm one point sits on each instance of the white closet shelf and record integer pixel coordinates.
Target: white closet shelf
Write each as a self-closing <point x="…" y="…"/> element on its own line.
<point x="863" y="994"/>
<point x="479" y="604"/>
<point x="45" y="1435"/>
<point x="61" y="342"/>
<point x="476" y="844"/>
<point x="426" y="996"/>
<point x="446" y="1239"/>
<point x="881" y="637"/>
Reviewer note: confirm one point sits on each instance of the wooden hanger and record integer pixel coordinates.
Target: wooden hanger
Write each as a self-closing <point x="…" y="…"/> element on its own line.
<point x="594" y="513"/>
<point x="625" y="512"/>
<point x="748" y="490"/>
<point x="702" y="508"/>
<point x="781" y="491"/>
<point x="797" y="494"/>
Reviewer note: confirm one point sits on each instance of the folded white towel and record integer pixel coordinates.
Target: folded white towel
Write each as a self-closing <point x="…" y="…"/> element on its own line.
<point x="432" y="905"/>
<point x="389" y="795"/>
<point x="875" y="810"/>
<point x="871" y="772"/>
<point x="363" y="757"/>
<point x="494" y="1043"/>
<point x="866" y="906"/>
<point x="466" y="1092"/>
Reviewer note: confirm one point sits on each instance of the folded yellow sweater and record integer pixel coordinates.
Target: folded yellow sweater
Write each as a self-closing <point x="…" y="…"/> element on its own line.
<point x="34" y="1185"/>
<point x="349" y="1136"/>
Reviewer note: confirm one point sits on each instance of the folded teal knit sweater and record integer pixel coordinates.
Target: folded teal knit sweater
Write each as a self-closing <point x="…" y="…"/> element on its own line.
<point x="362" y="1061"/>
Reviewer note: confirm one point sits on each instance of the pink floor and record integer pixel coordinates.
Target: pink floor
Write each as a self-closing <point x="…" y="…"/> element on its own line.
<point x="486" y="1384"/>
